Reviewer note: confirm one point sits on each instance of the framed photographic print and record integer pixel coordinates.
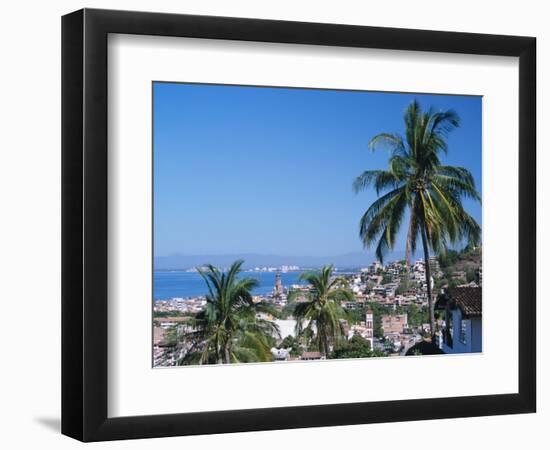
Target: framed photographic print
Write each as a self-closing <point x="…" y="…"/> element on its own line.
<point x="273" y="224"/>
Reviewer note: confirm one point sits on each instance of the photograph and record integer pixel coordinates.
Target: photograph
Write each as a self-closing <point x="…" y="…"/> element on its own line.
<point x="305" y="224"/>
<point x="258" y="225"/>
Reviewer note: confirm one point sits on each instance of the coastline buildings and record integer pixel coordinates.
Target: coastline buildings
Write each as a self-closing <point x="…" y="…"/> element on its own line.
<point x="180" y="305"/>
<point x="387" y="300"/>
<point x="374" y="267"/>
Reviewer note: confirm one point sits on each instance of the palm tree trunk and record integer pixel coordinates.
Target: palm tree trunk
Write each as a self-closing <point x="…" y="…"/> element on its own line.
<point x="428" y="280"/>
<point x="227" y="353"/>
<point x="408" y="246"/>
<point x="219" y="351"/>
<point x="325" y="344"/>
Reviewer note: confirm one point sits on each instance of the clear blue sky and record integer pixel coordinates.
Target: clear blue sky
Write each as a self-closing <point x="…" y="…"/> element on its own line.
<point x="269" y="170"/>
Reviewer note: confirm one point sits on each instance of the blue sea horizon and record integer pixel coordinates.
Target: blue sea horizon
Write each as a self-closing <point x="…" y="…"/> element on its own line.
<point x="180" y="284"/>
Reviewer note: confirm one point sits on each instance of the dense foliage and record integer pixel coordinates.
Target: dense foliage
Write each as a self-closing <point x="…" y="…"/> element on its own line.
<point x="230" y="328"/>
<point x="356" y="347"/>
<point x="320" y="307"/>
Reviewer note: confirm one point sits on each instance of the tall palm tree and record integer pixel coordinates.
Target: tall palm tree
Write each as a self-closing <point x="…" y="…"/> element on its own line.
<point x="416" y="181"/>
<point x="229" y="329"/>
<point x="321" y="306"/>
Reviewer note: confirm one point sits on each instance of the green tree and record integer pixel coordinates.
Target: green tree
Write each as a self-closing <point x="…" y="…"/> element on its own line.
<point x="416" y="315"/>
<point x="439" y="283"/>
<point x="321" y="306"/>
<point x="416" y="181"/>
<point x="293" y="344"/>
<point x="447" y="258"/>
<point x="355" y="316"/>
<point x="387" y="278"/>
<point x="404" y="285"/>
<point x="471" y="275"/>
<point x="356" y="347"/>
<point x="228" y="329"/>
<point x="456" y="282"/>
<point x="171" y="337"/>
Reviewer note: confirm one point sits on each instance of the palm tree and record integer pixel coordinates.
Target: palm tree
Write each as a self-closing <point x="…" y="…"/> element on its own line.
<point x="321" y="306"/>
<point x="229" y="329"/>
<point x="416" y="181"/>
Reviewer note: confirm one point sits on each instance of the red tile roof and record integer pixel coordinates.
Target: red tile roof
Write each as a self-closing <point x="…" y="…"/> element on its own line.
<point x="468" y="299"/>
<point x="311" y="355"/>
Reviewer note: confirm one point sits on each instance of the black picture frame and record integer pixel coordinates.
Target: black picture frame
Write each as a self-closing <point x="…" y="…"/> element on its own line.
<point x="84" y="224"/>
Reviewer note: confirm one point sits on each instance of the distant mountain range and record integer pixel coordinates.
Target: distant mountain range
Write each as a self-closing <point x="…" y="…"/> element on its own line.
<point x="252" y="260"/>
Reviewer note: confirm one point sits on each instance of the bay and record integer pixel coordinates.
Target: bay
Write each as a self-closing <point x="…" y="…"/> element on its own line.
<point x="172" y="284"/>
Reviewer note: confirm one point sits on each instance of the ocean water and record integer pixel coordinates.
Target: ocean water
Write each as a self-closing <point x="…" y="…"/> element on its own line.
<point x="170" y="284"/>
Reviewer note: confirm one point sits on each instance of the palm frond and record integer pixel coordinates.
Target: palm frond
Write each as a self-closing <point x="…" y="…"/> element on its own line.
<point x="380" y="179"/>
<point x="392" y="142"/>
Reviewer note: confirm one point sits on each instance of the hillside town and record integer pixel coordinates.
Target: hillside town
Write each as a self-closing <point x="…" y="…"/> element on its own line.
<point x="386" y="313"/>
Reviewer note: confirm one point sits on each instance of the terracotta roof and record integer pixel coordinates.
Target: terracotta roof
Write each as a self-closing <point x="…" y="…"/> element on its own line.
<point x="468" y="299"/>
<point x="311" y="355"/>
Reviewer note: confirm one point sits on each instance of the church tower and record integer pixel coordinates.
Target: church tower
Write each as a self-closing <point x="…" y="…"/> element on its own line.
<point x="278" y="289"/>
<point x="369" y="325"/>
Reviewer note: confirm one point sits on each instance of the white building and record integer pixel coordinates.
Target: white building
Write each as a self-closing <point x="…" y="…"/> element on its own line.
<point x="369" y="325"/>
<point x="280" y="354"/>
<point x="374" y="267"/>
<point x="461" y="331"/>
